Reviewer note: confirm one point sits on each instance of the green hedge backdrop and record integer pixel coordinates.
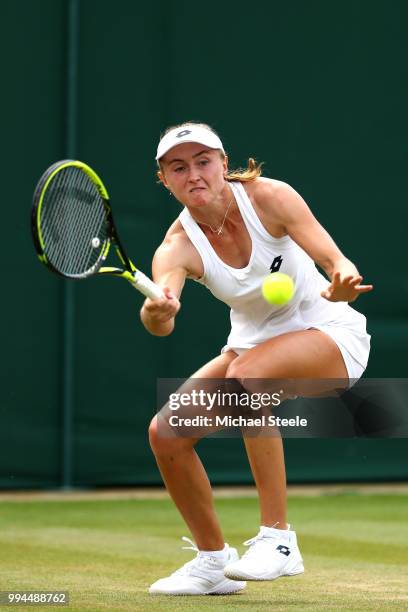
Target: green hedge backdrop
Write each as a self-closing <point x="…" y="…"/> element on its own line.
<point x="313" y="88"/>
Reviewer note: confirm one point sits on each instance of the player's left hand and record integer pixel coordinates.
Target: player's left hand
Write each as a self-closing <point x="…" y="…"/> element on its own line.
<point x="346" y="289"/>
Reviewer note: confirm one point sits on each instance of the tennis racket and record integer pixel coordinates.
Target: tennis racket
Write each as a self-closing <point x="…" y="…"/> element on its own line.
<point x="73" y="227"/>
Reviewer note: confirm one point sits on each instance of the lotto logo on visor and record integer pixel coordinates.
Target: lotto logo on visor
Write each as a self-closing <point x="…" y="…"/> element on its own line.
<point x="189" y="134"/>
<point x="183" y="133"/>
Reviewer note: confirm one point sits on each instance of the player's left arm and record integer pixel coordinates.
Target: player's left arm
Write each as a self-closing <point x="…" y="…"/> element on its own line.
<point x="298" y="221"/>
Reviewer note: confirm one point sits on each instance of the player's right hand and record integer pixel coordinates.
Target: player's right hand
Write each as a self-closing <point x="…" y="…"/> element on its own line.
<point x="164" y="309"/>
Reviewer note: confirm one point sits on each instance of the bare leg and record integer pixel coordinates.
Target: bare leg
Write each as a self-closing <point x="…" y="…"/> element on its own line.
<point x="184" y="475"/>
<point x="267" y="463"/>
<point x="304" y="354"/>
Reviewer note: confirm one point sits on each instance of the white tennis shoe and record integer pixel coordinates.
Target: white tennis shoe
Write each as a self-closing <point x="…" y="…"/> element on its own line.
<point x="272" y="553"/>
<point x="203" y="575"/>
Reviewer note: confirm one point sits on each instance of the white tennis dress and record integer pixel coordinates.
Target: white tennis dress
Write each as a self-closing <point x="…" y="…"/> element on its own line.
<point x="253" y="320"/>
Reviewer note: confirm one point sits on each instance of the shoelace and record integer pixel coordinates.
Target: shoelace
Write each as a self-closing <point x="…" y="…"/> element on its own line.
<point x="193" y="544"/>
<point x="199" y="560"/>
<point x="257" y="542"/>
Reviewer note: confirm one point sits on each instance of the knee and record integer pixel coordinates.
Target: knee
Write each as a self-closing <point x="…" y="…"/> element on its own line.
<point x="163" y="441"/>
<point x="240" y="370"/>
<point x="246" y="373"/>
<point x="155" y="439"/>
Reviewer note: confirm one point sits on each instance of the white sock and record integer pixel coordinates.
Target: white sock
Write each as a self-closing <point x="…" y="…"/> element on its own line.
<point x="283" y="533"/>
<point x="221" y="555"/>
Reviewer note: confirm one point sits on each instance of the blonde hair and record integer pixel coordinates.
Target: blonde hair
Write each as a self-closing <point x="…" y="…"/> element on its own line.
<point x="250" y="173"/>
<point x="244" y="175"/>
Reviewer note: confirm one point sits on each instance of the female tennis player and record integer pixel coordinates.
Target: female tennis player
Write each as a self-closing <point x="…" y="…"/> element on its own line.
<point x="235" y="227"/>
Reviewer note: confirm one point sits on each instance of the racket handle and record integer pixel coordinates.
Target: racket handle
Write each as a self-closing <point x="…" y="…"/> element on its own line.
<point x="146" y="286"/>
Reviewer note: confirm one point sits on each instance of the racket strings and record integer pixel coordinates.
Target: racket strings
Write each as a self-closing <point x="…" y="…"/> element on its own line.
<point x="56" y="218"/>
<point x="72" y="216"/>
<point x="82" y="216"/>
<point x="63" y="214"/>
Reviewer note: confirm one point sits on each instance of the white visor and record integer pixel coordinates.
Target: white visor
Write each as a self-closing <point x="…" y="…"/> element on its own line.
<point x="188" y="133"/>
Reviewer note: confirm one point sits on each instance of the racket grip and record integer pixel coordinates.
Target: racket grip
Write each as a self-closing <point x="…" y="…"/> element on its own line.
<point x="146" y="286"/>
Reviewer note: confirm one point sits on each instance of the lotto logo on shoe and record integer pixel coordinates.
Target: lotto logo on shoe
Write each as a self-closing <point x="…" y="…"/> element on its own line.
<point x="283" y="549"/>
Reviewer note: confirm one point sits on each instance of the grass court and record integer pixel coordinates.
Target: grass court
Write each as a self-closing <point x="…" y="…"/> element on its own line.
<point x="106" y="552"/>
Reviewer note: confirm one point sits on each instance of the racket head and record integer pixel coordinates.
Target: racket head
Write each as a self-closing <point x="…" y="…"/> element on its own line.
<point x="71" y="220"/>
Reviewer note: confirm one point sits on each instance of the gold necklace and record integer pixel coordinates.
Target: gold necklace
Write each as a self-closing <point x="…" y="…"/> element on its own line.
<point x="219" y="230"/>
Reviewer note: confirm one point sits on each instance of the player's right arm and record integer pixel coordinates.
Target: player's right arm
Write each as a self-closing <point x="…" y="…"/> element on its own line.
<point x="169" y="271"/>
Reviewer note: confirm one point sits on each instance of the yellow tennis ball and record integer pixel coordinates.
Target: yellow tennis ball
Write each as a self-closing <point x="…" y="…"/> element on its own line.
<point x="278" y="288"/>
